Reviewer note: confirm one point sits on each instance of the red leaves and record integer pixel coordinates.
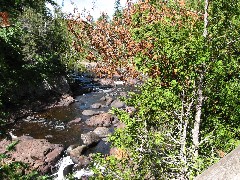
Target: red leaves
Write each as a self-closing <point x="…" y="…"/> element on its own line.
<point x="112" y="41"/>
<point x="5" y="19"/>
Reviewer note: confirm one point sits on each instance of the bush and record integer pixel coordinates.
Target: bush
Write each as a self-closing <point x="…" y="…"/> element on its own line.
<point x="187" y="110"/>
<point x="34" y="49"/>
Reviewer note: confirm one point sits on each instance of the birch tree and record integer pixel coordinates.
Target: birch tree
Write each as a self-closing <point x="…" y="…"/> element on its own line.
<point x="187" y="110"/>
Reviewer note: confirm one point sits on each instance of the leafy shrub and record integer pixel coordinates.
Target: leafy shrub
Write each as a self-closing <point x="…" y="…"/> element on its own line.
<point x="35" y="48"/>
<point x="187" y="110"/>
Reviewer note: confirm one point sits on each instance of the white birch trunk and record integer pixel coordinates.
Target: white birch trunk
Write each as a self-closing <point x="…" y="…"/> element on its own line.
<point x="184" y="120"/>
<point x="205" y="33"/>
<point x="197" y="122"/>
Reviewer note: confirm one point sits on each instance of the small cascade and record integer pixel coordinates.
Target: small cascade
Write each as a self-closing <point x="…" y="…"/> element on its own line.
<point x="65" y="166"/>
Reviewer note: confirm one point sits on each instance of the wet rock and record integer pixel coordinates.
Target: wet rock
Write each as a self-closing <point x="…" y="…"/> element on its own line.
<point x="38" y="153"/>
<point x="83" y="161"/>
<point x="49" y="136"/>
<point x="123" y="94"/>
<point x="90" y="112"/>
<point x="75" y="121"/>
<point x="102" y="131"/>
<point x="76" y="152"/>
<point x="66" y="100"/>
<point x="61" y="85"/>
<point x="103" y="119"/>
<point x="109" y="100"/>
<point x="117" y="104"/>
<point x="90" y="138"/>
<point x="103" y="98"/>
<point x="96" y="106"/>
<point x="102" y="147"/>
<point x="68" y="170"/>
<point x="70" y="148"/>
<point x="29" y="118"/>
<point x="41" y="120"/>
<point x="106" y="82"/>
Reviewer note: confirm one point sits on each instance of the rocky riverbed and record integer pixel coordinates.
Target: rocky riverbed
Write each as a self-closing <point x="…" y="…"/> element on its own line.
<point x="71" y="130"/>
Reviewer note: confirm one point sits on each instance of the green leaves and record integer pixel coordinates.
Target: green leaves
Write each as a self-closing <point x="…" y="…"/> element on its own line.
<point x="192" y="79"/>
<point x="12" y="145"/>
<point x="36" y="47"/>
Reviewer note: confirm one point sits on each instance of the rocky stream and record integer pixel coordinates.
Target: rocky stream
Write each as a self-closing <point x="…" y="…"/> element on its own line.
<point x="62" y="139"/>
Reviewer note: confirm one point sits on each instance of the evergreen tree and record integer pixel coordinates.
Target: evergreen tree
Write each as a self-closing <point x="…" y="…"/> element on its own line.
<point x="117" y="9"/>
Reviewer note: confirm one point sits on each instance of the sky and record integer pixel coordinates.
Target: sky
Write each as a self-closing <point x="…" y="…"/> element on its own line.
<point x="95" y="9"/>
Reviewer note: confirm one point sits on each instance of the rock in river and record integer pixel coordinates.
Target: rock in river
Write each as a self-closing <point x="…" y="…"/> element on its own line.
<point x="96" y="106"/>
<point x="102" y="131"/>
<point x="77" y="151"/>
<point x="117" y="104"/>
<point x="75" y="121"/>
<point x="90" y="112"/>
<point x="104" y="119"/>
<point x="90" y="138"/>
<point x="38" y="153"/>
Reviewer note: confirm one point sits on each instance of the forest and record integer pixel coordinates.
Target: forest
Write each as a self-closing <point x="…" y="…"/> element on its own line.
<point x="187" y="53"/>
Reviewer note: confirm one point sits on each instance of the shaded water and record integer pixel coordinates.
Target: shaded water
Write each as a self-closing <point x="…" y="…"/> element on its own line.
<point x="53" y="124"/>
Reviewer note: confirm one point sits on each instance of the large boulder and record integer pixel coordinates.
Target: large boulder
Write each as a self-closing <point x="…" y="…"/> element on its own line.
<point x="90" y="138"/>
<point x="65" y="100"/>
<point x="77" y="151"/>
<point x="38" y="153"/>
<point x="104" y="119"/>
<point x="102" y="131"/>
<point x="117" y="104"/>
<point x="90" y="112"/>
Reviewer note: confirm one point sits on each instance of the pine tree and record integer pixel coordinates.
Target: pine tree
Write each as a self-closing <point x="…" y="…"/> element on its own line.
<point x="117" y="9"/>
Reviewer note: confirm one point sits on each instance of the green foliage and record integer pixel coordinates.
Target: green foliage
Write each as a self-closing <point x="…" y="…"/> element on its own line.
<point x="17" y="6"/>
<point x="12" y="145"/>
<point x="117" y="9"/>
<point x="112" y="170"/>
<point x="34" y="49"/>
<point x="159" y="137"/>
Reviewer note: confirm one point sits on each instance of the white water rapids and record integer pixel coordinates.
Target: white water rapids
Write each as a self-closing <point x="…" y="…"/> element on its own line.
<point x="64" y="163"/>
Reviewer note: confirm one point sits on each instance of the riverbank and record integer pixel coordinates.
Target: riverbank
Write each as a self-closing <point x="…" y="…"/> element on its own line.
<point x="80" y="119"/>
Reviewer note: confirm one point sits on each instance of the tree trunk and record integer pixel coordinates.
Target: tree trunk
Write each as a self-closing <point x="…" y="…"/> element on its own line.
<point x="197" y="122"/>
<point x="205" y="33"/>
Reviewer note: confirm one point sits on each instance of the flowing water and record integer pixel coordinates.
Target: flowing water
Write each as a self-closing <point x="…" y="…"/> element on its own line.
<point x="53" y="124"/>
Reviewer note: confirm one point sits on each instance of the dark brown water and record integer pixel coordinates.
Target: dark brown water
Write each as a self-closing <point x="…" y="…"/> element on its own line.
<point x="53" y="123"/>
